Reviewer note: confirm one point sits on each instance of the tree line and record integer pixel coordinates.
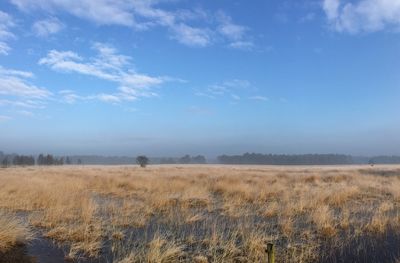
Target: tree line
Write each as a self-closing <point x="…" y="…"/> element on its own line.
<point x="29" y="160"/>
<point x="283" y="159"/>
<point x="186" y="159"/>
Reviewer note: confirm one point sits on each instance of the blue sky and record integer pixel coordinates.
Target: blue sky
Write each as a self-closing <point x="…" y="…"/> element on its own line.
<point x="207" y="77"/>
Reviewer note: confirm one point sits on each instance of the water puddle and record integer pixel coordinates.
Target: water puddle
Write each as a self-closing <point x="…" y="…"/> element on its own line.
<point x="43" y="250"/>
<point x="369" y="249"/>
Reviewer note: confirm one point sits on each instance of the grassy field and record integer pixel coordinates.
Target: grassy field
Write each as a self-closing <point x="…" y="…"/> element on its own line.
<point x="205" y="213"/>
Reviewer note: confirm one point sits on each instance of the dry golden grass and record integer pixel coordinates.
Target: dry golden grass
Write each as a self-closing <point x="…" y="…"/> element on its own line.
<point x="199" y="213"/>
<point x="12" y="232"/>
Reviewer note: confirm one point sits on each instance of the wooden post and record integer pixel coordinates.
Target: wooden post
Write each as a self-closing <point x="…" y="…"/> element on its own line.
<point x="271" y="253"/>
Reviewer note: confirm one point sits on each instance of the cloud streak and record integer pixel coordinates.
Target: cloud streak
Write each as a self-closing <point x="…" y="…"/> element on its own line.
<point x="15" y="83"/>
<point x="46" y="27"/>
<point x="143" y="15"/>
<point x="362" y="15"/>
<point x="234" y="90"/>
<point x="6" y="23"/>
<point x="259" y="98"/>
<point x="107" y="65"/>
<point x="18" y="93"/>
<point x="4" y="118"/>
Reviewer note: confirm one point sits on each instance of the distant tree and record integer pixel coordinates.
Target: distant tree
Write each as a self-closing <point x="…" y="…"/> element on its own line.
<point x="199" y="159"/>
<point x="371" y="162"/>
<point x="79" y="161"/>
<point x="5" y="163"/>
<point x="15" y="160"/>
<point x="282" y="159"/>
<point x="40" y="159"/>
<point x="49" y="160"/>
<point x="68" y="160"/>
<point x="185" y="159"/>
<point x="46" y="160"/>
<point x="142" y="160"/>
<point x="60" y="161"/>
<point x="23" y="160"/>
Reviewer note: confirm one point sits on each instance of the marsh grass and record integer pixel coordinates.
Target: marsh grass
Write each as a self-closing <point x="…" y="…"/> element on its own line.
<point x="13" y="232"/>
<point x="203" y="213"/>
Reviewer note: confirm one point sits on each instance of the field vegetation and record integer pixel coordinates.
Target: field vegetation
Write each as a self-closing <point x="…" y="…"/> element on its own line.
<point x="205" y="213"/>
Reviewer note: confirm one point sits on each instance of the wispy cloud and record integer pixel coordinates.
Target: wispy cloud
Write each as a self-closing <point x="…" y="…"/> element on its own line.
<point x="110" y="98"/>
<point x="100" y="11"/>
<point x="107" y="65"/>
<point x="231" y="89"/>
<point x="4" y="48"/>
<point x="235" y="97"/>
<point x="30" y="104"/>
<point x="69" y="96"/>
<point x="230" y="29"/>
<point x="192" y="36"/>
<point x="15" y="83"/>
<point x="260" y="98"/>
<point x="46" y="27"/>
<point x="4" y="118"/>
<point x="362" y="15"/>
<point x="19" y="95"/>
<point x="25" y="113"/>
<point x="6" y="23"/>
<point x="236" y="34"/>
<point x="244" y="45"/>
<point x="195" y="27"/>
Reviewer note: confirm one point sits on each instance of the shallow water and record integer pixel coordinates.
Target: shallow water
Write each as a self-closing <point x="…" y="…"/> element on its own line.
<point x="368" y="249"/>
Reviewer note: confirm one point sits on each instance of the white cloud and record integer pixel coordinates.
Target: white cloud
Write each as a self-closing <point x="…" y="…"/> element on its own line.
<point x="17" y="92"/>
<point x="46" y="27"/>
<point x="4" y="48"/>
<point x="14" y="83"/>
<point x="6" y="23"/>
<point x="237" y="84"/>
<point x="108" y="57"/>
<point x="25" y="113"/>
<point x="70" y="97"/>
<point x="69" y="61"/>
<point x="4" y="118"/>
<point x="15" y="86"/>
<point x="107" y="65"/>
<point x="331" y="8"/>
<point x="244" y="45"/>
<point x="13" y="72"/>
<point x="235" y="97"/>
<point x="229" y="29"/>
<point x="100" y="11"/>
<point x="229" y="88"/>
<point x="236" y="34"/>
<point x="143" y="15"/>
<point x="109" y="98"/>
<point x="363" y="15"/>
<point x="260" y="98"/>
<point x="192" y="36"/>
<point x="30" y="104"/>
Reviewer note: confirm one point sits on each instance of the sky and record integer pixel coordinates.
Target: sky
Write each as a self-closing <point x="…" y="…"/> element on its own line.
<point x="170" y="77"/>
